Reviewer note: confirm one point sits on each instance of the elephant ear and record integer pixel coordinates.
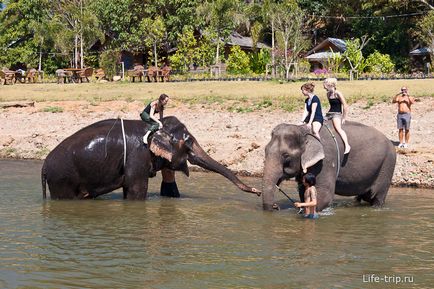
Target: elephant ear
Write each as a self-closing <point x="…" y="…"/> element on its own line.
<point x="160" y="146"/>
<point x="313" y="153"/>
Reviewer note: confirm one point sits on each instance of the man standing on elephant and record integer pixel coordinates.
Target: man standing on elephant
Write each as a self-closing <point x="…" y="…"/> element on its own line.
<point x="147" y="115"/>
<point x="404" y="101"/>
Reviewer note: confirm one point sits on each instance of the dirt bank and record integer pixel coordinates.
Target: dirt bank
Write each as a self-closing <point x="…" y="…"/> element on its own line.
<point x="235" y="139"/>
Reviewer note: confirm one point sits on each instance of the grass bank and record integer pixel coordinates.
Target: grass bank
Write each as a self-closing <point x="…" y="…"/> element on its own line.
<point x="239" y="96"/>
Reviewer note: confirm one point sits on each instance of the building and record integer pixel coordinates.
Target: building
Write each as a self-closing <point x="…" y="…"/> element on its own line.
<point x="421" y="59"/>
<point x="320" y="54"/>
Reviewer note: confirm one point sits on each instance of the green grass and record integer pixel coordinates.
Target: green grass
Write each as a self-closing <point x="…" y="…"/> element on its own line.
<point x="237" y="96"/>
<point x="53" y="109"/>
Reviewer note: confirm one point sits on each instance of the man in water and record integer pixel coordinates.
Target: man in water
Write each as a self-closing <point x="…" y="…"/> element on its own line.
<point x="404" y="101"/>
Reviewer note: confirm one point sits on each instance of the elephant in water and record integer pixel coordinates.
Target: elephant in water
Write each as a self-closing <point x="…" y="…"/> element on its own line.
<point x="110" y="154"/>
<point x="366" y="172"/>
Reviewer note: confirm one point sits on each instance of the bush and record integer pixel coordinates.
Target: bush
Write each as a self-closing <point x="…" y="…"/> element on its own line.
<point x="108" y="61"/>
<point x="379" y="63"/>
<point x="259" y="61"/>
<point x="238" y="61"/>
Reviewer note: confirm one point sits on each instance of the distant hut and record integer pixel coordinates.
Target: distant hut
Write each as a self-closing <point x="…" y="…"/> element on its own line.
<point x="320" y="54"/>
<point x="421" y="58"/>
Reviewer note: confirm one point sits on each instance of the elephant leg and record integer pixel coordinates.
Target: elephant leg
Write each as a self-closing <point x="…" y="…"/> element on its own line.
<point x="326" y="192"/>
<point x="137" y="190"/>
<point x="169" y="187"/>
<point x="63" y="190"/>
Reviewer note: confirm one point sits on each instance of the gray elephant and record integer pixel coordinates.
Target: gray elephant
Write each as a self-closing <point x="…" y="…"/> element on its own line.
<point x="366" y="172"/>
<point x="110" y="154"/>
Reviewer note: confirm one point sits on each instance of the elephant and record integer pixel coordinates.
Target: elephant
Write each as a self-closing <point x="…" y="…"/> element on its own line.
<point x="366" y="172"/>
<point x="110" y="154"/>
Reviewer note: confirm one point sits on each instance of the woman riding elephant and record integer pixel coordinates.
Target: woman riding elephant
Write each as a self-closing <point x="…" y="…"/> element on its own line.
<point x="110" y="154"/>
<point x="366" y="172"/>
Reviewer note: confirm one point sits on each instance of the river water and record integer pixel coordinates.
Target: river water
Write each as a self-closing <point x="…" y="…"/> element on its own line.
<point x="214" y="236"/>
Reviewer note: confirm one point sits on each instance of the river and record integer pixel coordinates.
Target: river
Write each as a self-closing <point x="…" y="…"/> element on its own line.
<point x="214" y="236"/>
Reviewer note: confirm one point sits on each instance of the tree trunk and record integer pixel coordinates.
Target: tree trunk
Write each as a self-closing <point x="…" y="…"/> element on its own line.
<point x="155" y="54"/>
<point x="81" y="51"/>
<point x="76" y="51"/>
<point x="40" y="58"/>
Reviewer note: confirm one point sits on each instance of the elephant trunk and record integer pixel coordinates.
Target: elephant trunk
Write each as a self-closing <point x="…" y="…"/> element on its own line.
<point x="272" y="174"/>
<point x="198" y="156"/>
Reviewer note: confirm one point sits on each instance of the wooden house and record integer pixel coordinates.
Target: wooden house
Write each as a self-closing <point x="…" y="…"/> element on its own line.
<point x="320" y="54"/>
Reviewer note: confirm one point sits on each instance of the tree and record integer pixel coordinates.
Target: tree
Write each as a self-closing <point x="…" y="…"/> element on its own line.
<point x="17" y="44"/>
<point x="269" y="16"/>
<point x="75" y="28"/>
<point x="219" y="16"/>
<point x="185" y="52"/>
<point x="289" y="24"/>
<point x="152" y="31"/>
<point x="354" y="55"/>
<point x="427" y="32"/>
<point x="119" y="20"/>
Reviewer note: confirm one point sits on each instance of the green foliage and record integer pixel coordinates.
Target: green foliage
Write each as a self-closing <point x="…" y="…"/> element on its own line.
<point x="152" y="31"/>
<point x="379" y="63"/>
<point x="335" y="62"/>
<point x="238" y="61"/>
<point x="108" y="61"/>
<point x="53" y="109"/>
<point x="427" y="31"/>
<point x="259" y="61"/>
<point x="185" y="53"/>
<point x="16" y="42"/>
<point x="354" y="55"/>
<point x="205" y="52"/>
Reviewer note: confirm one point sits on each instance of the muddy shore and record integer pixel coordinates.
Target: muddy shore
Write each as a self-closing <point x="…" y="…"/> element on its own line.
<point x="235" y="139"/>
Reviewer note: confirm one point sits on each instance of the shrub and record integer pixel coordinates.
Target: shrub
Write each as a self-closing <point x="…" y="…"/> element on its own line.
<point x="379" y="63"/>
<point x="238" y="61"/>
<point x="259" y="61"/>
<point x="108" y="61"/>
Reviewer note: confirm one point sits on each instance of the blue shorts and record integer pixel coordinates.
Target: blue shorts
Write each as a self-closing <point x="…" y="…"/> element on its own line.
<point x="311" y="216"/>
<point x="403" y="120"/>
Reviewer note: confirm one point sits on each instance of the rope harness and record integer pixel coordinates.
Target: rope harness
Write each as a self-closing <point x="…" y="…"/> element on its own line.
<point x="123" y="137"/>
<point x="125" y="141"/>
<point x="337" y="150"/>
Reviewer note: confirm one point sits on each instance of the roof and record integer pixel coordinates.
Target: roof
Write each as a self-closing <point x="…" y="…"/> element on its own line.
<point x="421" y="51"/>
<point x="244" y="41"/>
<point x="336" y="44"/>
<point x="321" y="56"/>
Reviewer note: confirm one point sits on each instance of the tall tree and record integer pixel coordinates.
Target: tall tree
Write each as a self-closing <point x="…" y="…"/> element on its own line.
<point x="289" y="24"/>
<point x="153" y="31"/>
<point x="77" y="27"/>
<point x="17" y="44"/>
<point x="219" y="16"/>
<point x="427" y="32"/>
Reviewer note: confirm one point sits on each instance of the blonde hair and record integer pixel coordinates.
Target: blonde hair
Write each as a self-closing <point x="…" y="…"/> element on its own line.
<point x="309" y="86"/>
<point x="330" y="82"/>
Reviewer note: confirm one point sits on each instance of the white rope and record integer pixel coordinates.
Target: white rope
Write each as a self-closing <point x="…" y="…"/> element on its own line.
<point x="337" y="151"/>
<point x="125" y="141"/>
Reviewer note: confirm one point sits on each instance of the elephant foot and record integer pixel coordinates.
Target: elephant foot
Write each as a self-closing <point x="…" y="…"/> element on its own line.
<point x="169" y="190"/>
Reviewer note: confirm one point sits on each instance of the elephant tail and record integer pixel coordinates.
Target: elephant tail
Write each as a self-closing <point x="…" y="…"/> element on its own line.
<point x="44" y="181"/>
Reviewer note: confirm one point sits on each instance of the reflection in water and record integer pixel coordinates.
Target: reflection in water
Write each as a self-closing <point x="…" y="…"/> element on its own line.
<point x="215" y="236"/>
